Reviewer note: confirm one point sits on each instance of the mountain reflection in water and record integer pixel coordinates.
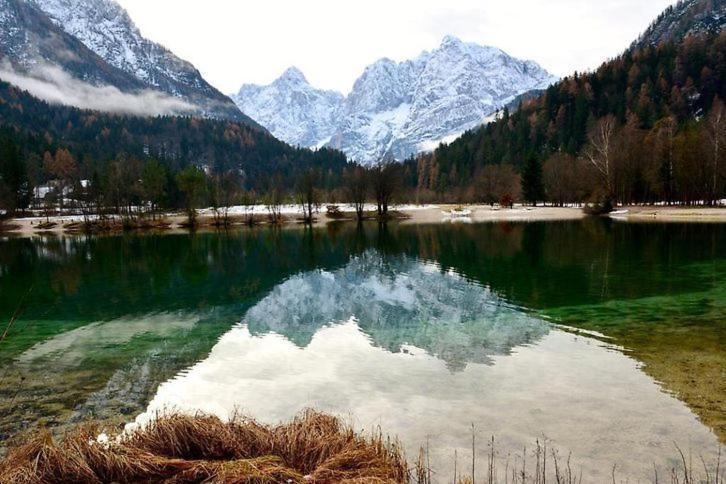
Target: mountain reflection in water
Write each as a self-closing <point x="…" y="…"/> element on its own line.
<point x="398" y="301"/>
<point x="424" y="353"/>
<point x="421" y="329"/>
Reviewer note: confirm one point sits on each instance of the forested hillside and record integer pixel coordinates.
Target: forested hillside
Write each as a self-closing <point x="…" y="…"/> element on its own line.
<point x="644" y="127"/>
<point x="36" y="135"/>
<point x="648" y="126"/>
<point x="683" y="19"/>
<point x="82" y="47"/>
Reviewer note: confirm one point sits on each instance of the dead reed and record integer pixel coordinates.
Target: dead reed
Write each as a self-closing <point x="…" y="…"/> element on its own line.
<point x="313" y="447"/>
<point x="542" y="463"/>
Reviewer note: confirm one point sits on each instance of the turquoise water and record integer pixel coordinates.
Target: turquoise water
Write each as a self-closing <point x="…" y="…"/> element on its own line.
<point x="607" y="338"/>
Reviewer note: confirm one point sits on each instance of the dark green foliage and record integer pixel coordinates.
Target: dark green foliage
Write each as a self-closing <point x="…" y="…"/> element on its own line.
<point x="15" y="189"/>
<point x="176" y="142"/>
<point x="154" y="180"/>
<point x="532" y="185"/>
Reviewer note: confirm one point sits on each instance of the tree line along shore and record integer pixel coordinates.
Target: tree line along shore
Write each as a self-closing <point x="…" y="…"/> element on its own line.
<point x="647" y="127"/>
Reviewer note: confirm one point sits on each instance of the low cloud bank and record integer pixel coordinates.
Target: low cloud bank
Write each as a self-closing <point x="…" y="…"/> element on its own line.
<point x="54" y="85"/>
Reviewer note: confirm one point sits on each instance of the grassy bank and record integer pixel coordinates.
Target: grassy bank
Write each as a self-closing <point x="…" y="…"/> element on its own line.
<point x="311" y="448"/>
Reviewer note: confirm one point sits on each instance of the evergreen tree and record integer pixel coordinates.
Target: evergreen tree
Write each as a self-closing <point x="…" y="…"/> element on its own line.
<point x="14" y="186"/>
<point x="532" y="185"/>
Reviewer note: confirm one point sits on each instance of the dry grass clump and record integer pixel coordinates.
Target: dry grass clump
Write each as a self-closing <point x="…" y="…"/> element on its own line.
<point x="313" y="447"/>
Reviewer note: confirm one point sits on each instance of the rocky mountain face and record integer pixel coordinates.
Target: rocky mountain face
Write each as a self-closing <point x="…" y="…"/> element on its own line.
<point x="292" y="109"/>
<point x="687" y="17"/>
<point x="397" y="109"/>
<point x="28" y="37"/>
<point x="97" y="42"/>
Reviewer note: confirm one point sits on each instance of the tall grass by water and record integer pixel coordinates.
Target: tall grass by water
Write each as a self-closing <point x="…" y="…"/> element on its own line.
<point x="544" y="463"/>
<point x="311" y="448"/>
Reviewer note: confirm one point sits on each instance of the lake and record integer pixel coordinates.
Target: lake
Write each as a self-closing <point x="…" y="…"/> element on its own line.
<point x="603" y="339"/>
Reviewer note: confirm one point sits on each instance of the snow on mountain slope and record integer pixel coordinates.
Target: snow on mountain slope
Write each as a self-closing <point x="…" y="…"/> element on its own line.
<point x="105" y="28"/>
<point x="28" y="39"/>
<point x="292" y="109"/>
<point x="685" y="18"/>
<point x="464" y="323"/>
<point x="397" y="109"/>
<point x="39" y="57"/>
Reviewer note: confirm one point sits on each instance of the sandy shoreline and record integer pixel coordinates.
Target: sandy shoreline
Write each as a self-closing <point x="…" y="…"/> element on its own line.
<point x="408" y="214"/>
<point x="670" y="214"/>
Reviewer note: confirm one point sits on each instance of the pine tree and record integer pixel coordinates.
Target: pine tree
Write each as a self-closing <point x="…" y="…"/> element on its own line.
<point x="532" y="186"/>
<point x="14" y="186"/>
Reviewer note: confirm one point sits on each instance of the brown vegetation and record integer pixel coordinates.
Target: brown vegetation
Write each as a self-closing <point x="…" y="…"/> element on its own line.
<point x="313" y="447"/>
<point x="648" y="126"/>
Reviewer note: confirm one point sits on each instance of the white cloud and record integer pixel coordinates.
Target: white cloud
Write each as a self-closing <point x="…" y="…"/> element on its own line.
<point x="52" y="84"/>
<point x="234" y="41"/>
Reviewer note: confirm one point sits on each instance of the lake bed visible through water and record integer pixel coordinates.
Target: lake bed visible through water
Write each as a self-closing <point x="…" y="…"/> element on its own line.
<point x="606" y="340"/>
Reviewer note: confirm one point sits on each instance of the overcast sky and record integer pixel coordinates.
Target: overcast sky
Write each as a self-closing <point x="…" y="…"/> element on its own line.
<point x="239" y="41"/>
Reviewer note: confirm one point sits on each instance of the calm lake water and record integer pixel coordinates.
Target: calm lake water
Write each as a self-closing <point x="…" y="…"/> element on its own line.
<point x="606" y="339"/>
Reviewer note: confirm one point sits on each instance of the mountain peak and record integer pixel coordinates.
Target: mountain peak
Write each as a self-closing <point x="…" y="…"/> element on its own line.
<point x="382" y="64"/>
<point x="454" y="45"/>
<point x="107" y="30"/>
<point x="292" y="109"/>
<point x="451" y="41"/>
<point x="293" y="74"/>
<point x="396" y="109"/>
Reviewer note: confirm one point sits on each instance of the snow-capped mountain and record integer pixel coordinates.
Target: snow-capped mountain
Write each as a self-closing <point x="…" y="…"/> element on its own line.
<point x="292" y="109"/>
<point x="104" y="27"/>
<point x="397" y="109"/>
<point x="28" y="37"/>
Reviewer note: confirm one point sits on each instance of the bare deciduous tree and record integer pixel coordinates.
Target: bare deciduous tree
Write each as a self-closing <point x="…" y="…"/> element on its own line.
<point x="356" y="188"/>
<point x="599" y="150"/>
<point x="716" y="134"/>
<point x="660" y="170"/>
<point x="385" y="181"/>
<point x="273" y="202"/>
<point x="225" y="193"/>
<point x="496" y="182"/>
<point x="567" y="179"/>
<point x="308" y="195"/>
<point x="248" y="199"/>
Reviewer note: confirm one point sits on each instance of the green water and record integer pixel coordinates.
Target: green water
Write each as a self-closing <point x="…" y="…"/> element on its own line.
<point x="106" y="320"/>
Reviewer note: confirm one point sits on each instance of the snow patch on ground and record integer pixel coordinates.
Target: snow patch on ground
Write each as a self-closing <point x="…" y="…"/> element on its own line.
<point x="298" y="210"/>
<point x="428" y="146"/>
